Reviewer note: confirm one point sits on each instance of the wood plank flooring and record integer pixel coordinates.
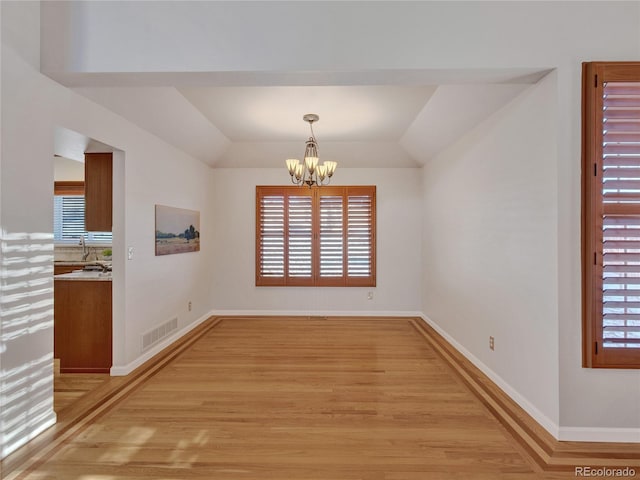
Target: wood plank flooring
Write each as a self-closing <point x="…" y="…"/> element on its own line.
<point x="70" y="387"/>
<point x="297" y="398"/>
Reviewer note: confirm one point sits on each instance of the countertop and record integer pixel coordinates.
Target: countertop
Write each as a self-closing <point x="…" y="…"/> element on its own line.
<point x="81" y="262"/>
<point x="85" y="276"/>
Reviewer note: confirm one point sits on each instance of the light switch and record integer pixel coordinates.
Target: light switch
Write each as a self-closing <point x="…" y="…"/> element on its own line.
<point x="130" y="253"/>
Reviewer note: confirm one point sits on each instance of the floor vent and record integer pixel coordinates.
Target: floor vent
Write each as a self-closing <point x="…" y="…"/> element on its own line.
<point x="152" y="337"/>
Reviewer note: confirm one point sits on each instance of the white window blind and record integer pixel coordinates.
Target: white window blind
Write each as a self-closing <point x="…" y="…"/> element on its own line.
<point x="68" y="222"/>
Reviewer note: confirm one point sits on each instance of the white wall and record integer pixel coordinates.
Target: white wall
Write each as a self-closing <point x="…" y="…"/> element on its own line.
<point x="489" y="246"/>
<point x="148" y="290"/>
<point x="398" y="195"/>
<point x="65" y="169"/>
<point x="272" y="37"/>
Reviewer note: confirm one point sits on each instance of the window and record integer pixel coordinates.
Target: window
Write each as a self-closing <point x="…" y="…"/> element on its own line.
<point x="68" y="216"/>
<point x="321" y="236"/>
<point x="611" y="214"/>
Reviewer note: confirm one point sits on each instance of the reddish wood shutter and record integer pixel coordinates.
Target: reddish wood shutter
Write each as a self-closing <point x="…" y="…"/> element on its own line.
<point x="270" y="246"/>
<point x="611" y="214"/>
<point x="299" y="242"/>
<point x="315" y="236"/>
<point x="361" y="226"/>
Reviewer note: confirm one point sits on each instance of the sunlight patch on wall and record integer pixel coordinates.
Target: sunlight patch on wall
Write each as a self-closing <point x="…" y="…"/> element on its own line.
<point x="26" y="337"/>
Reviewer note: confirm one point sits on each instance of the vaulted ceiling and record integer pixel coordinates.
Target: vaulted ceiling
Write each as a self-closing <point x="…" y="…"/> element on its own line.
<point x="260" y="126"/>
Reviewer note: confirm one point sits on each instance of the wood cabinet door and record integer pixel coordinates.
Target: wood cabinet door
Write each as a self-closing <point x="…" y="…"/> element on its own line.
<point x="82" y="326"/>
<point x="98" y="179"/>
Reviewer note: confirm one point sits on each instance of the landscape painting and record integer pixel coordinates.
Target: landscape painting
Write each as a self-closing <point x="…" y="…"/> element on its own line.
<point x="177" y="230"/>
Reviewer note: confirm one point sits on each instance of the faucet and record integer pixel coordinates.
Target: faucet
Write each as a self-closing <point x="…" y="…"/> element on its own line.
<point x="85" y="250"/>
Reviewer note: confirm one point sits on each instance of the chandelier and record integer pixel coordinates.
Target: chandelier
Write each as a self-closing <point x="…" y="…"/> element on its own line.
<point x="309" y="172"/>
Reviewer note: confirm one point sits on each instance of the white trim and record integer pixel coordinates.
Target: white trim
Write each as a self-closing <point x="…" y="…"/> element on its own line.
<point x="314" y="313"/>
<point x="122" y="370"/>
<point x="587" y="434"/>
<point x="544" y="421"/>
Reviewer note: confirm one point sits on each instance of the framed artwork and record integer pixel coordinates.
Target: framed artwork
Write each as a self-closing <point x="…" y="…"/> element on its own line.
<point x="177" y="230"/>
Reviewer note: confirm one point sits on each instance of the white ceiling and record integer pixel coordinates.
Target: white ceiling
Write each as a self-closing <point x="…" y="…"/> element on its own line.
<point x="400" y="125"/>
<point x="371" y="113"/>
<point x="73" y="145"/>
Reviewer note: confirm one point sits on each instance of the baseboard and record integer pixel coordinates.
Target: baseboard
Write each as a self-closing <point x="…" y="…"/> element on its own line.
<point x="313" y="313"/>
<point x="122" y="370"/>
<point x="558" y="432"/>
<point x="584" y="434"/>
<point x="613" y="447"/>
<point x="544" y="421"/>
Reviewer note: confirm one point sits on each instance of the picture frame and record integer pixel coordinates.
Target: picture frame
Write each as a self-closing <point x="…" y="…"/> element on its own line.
<point x="177" y="230"/>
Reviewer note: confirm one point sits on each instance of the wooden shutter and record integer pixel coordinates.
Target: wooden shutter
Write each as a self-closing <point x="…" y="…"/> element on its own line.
<point x="611" y="215"/>
<point x="361" y="227"/>
<point x="284" y="227"/>
<point x="315" y="236"/>
<point x="331" y="244"/>
<point x="299" y="228"/>
<point x="270" y="245"/>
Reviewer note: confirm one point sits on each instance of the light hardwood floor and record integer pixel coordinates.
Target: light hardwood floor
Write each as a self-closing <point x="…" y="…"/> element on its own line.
<point x="68" y="388"/>
<point x="296" y="398"/>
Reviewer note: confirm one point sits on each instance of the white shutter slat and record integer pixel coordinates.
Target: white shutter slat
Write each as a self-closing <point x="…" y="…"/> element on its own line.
<point x="621" y="233"/>
<point x="272" y="236"/>
<point x="622" y="126"/>
<point x="331" y="237"/>
<point x="300" y="236"/>
<point x="621" y="280"/>
<point x="359" y="235"/>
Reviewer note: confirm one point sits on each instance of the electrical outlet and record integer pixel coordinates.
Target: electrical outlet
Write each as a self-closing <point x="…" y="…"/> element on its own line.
<point x="492" y="343"/>
<point x="370" y="296"/>
<point x="130" y="253"/>
<point x="189" y="305"/>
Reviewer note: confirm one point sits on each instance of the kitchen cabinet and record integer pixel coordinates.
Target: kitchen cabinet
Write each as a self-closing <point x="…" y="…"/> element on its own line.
<point x="82" y="322"/>
<point x="98" y="191"/>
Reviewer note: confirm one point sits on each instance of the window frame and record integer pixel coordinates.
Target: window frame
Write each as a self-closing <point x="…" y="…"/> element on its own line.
<point x="594" y="76"/>
<point x="76" y="189"/>
<point x="315" y="280"/>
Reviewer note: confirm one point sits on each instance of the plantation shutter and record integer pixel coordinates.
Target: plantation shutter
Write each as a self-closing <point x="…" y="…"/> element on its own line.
<point x="284" y="226"/>
<point x="612" y="216"/>
<point x="360" y="231"/>
<point x="346" y="236"/>
<point x="315" y="236"/>
<point x="299" y="237"/>
<point x="330" y="268"/>
<point x="270" y="268"/>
